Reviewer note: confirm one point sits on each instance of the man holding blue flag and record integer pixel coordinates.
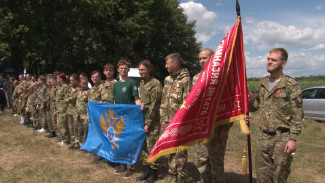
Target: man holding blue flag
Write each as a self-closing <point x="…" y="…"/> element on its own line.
<point x="125" y="92"/>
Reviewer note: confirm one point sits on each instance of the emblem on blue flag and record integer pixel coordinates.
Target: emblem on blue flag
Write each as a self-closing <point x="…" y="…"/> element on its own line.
<point x="112" y="127"/>
<point x="115" y="131"/>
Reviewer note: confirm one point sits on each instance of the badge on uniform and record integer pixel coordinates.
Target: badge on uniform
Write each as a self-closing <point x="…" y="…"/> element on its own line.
<point x="177" y="86"/>
<point x="299" y="99"/>
<point x="276" y="93"/>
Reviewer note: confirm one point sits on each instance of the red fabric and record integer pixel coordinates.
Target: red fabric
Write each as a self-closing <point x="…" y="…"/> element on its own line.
<point x="216" y="99"/>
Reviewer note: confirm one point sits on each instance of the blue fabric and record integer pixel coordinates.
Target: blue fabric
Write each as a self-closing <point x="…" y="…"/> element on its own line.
<point x="115" y="131"/>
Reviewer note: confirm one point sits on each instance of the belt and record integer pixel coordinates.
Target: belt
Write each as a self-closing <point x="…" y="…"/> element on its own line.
<point x="281" y="130"/>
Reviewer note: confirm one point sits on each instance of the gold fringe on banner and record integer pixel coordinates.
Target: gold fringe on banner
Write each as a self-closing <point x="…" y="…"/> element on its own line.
<point x="243" y="170"/>
<point x="244" y="127"/>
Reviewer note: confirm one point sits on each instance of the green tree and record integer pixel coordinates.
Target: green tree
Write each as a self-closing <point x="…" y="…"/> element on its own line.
<point x="81" y="35"/>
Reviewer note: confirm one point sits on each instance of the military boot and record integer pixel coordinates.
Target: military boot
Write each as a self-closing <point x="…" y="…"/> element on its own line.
<point x="152" y="176"/>
<point x="145" y="174"/>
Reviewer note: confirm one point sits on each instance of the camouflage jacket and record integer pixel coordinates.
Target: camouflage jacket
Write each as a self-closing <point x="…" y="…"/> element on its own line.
<point x="95" y="93"/>
<point x="17" y="92"/>
<point x="176" y="88"/>
<point x="47" y="99"/>
<point x="81" y="103"/>
<point x="40" y="100"/>
<point x="150" y="92"/>
<point x="71" y="98"/>
<point x="52" y="98"/>
<point x="61" y="104"/>
<point x="281" y="107"/>
<point x="195" y="78"/>
<point x="107" y="92"/>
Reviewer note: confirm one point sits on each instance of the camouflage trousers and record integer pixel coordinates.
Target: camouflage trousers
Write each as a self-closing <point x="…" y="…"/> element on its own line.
<point x="49" y="116"/>
<point x="35" y="117"/>
<point x="272" y="163"/>
<point x="210" y="158"/>
<point x="42" y="118"/>
<point x="176" y="164"/>
<point x="62" y="125"/>
<point x="151" y="139"/>
<point x="80" y="135"/>
<point x="71" y="127"/>
<point x="52" y="118"/>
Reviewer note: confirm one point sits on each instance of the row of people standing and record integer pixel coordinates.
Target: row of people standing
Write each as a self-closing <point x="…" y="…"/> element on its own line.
<point x="65" y="107"/>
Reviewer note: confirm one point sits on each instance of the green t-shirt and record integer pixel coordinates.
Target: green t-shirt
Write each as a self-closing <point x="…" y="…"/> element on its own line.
<point x="124" y="92"/>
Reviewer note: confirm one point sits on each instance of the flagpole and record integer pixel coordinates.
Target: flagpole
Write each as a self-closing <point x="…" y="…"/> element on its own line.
<point x="248" y="137"/>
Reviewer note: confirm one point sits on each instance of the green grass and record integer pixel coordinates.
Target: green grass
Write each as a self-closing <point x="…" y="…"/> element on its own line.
<point x="27" y="156"/>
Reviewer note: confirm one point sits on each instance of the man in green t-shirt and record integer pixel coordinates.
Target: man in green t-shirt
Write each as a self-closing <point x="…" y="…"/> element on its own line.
<point x="125" y="92"/>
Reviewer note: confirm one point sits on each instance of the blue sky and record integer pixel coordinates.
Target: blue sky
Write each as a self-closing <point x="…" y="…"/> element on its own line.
<point x="296" y="25"/>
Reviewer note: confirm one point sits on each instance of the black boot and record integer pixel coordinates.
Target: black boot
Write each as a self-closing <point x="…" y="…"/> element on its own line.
<point x="145" y="174"/>
<point x="152" y="176"/>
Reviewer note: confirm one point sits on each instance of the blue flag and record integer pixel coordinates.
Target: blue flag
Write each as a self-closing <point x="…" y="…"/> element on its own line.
<point x="115" y="131"/>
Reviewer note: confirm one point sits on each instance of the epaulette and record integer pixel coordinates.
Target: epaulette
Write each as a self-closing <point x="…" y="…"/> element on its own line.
<point x="291" y="80"/>
<point x="263" y="78"/>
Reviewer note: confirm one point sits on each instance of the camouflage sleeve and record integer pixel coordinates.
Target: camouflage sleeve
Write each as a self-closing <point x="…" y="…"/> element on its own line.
<point x="154" y="104"/>
<point x="163" y="105"/>
<point x="255" y="102"/>
<point x="296" y="112"/>
<point x="187" y="87"/>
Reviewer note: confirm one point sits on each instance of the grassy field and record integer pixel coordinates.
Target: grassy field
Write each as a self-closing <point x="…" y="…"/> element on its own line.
<point x="28" y="156"/>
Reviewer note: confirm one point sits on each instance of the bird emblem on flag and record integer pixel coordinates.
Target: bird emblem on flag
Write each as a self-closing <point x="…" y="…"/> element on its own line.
<point x="112" y="126"/>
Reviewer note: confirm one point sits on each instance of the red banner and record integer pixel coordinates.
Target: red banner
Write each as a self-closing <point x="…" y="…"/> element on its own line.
<point x="218" y="97"/>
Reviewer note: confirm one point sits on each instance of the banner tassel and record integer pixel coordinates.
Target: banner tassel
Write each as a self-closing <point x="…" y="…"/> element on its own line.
<point x="243" y="170"/>
<point x="244" y="127"/>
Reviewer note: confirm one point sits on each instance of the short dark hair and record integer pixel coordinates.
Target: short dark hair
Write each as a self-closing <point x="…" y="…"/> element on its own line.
<point x="284" y="53"/>
<point x="109" y="66"/>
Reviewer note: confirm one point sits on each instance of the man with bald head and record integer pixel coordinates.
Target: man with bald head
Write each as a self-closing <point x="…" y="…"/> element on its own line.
<point x="210" y="156"/>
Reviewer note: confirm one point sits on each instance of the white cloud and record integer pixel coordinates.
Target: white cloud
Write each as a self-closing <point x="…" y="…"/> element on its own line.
<point x="267" y="34"/>
<point x="319" y="7"/>
<point x="204" y="20"/>
<point x="299" y="64"/>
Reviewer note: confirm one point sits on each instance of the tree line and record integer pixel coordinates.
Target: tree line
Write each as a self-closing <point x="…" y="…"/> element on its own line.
<point x="81" y="35"/>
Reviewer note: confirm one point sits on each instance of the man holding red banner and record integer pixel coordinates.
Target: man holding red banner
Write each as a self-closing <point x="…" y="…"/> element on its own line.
<point x="176" y="88"/>
<point x="278" y="99"/>
<point x="210" y="156"/>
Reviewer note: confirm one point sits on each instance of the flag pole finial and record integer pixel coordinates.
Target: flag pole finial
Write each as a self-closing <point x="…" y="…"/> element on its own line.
<point x="237" y="8"/>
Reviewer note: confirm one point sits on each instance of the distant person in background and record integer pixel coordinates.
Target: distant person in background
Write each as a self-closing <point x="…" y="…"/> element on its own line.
<point x="2" y="94"/>
<point x="278" y="99"/>
<point x="8" y="85"/>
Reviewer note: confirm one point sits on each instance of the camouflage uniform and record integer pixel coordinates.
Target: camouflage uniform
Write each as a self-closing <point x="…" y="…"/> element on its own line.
<point x="52" y="103"/>
<point x="176" y="88"/>
<point x="281" y="118"/>
<point x="70" y="99"/>
<point x="81" y="116"/>
<point x="150" y="92"/>
<point x="40" y="102"/>
<point x="95" y="93"/>
<point x="17" y="96"/>
<point x="107" y="92"/>
<point x="210" y="156"/>
<point x="46" y="105"/>
<point x="25" y="95"/>
<point x="61" y="109"/>
<point x="8" y="92"/>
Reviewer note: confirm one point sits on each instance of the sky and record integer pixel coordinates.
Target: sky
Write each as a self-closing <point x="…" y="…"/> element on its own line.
<point x="296" y="25"/>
